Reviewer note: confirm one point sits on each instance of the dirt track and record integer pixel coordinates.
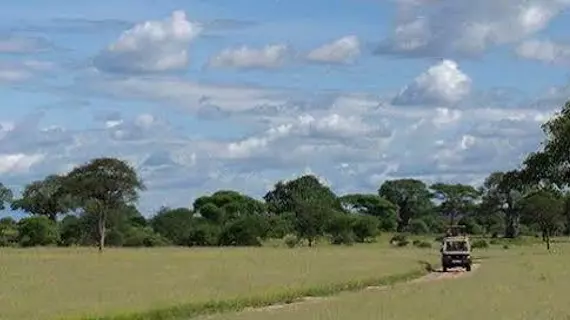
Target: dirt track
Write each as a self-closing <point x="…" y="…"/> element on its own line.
<point x="436" y="275"/>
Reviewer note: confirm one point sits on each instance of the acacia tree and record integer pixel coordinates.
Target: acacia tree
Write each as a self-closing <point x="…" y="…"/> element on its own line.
<point x="457" y="198"/>
<point x="546" y="210"/>
<point x="44" y="197"/>
<point x="311" y="202"/>
<point x="501" y="193"/>
<point x="5" y="196"/>
<point x="410" y="195"/>
<point x="101" y="186"/>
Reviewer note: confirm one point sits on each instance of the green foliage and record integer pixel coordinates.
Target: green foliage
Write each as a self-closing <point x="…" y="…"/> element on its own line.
<point x="417" y="226"/>
<point x="400" y="240"/>
<point x="373" y="205"/>
<point x="244" y="231"/>
<point x="365" y="228"/>
<point x="173" y="224"/>
<point x="44" y="197"/>
<point x="457" y="199"/>
<point x="203" y="233"/>
<point x="8" y="232"/>
<point x="410" y="195"/>
<point x="37" y="231"/>
<point x="339" y="228"/>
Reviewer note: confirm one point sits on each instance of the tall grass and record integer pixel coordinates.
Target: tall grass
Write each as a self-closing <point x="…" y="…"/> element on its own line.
<point x="524" y="282"/>
<point x="50" y="283"/>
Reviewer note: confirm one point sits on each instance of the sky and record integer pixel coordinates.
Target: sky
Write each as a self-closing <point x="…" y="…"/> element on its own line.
<point x="206" y="95"/>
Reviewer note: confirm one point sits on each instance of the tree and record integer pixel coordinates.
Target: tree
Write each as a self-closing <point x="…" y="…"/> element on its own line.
<point x="365" y="227"/>
<point x="5" y="196"/>
<point x="410" y="195"/>
<point x="100" y="186"/>
<point x="546" y="210"/>
<point x="312" y="203"/>
<point x="37" y="231"/>
<point x="457" y="199"/>
<point x="551" y="165"/>
<point x="285" y="195"/>
<point x="373" y="205"/>
<point x="44" y="197"/>
<point x="173" y="224"/>
<point x="225" y="205"/>
<point x="501" y="192"/>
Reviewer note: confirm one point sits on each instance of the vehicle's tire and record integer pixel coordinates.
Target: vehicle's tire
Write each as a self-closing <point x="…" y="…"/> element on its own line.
<point x="468" y="267"/>
<point x="444" y="268"/>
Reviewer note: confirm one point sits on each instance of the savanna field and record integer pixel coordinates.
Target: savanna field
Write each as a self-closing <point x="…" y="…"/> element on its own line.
<point x="518" y="282"/>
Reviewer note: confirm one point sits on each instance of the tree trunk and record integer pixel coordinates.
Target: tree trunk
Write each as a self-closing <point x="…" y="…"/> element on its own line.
<point x="53" y="217"/>
<point x="512" y="221"/>
<point x="102" y="230"/>
<point x="310" y="241"/>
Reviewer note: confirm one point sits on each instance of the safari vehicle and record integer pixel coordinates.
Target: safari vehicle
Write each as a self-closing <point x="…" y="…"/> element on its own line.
<point x="455" y="250"/>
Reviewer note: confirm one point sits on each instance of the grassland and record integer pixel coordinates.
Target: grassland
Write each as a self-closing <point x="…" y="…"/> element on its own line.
<point x="523" y="282"/>
<point x="55" y="282"/>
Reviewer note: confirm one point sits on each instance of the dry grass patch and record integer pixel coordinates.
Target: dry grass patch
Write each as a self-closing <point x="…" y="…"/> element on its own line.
<point x="49" y="283"/>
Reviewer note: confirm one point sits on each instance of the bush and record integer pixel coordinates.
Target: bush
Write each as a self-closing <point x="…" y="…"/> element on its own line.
<point x="243" y="231"/>
<point x="203" y="234"/>
<point x="402" y="243"/>
<point x="37" y="231"/>
<point x="291" y="240"/>
<point x="143" y="237"/>
<point x="339" y="228"/>
<point x="480" y="243"/>
<point x="365" y="228"/>
<point x="418" y="226"/>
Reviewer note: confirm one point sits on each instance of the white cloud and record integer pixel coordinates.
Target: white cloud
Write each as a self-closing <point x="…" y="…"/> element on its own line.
<point x="192" y="96"/>
<point x="443" y="83"/>
<point x="270" y="56"/>
<point x="18" y="162"/>
<point x="343" y="50"/>
<point x="151" y="46"/>
<point x="23" y="70"/>
<point x="545" y="50"/>
<point x="435" y="28"/>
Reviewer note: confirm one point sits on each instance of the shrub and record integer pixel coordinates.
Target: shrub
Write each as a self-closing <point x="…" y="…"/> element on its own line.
<point x="203" y="234"/>
<point x="506" y="246"/>
<point x="339" y="227"/>
<point x="365" y="227"/>
<point x="480" y="243"/>
<point x="37" y="231"/>
<point x="418" y="226"/>
<point x="291" y="240"/>
<point x="402" y="243"/>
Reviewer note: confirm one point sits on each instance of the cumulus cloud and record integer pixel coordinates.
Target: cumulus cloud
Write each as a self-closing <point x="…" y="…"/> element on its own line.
<point x="16" y="44"/>
<point x="436" y="28"/>
<point x="151" y="46"/>
<point x="18" y="162"/>
<point x="343" y="50"/>
<point x="443" y="83"/>
<point x="545" y="51"/>
<point x="270" y="56"/>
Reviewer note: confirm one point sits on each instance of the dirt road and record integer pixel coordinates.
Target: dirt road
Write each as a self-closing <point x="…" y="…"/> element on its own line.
<point x="436" y="275"/>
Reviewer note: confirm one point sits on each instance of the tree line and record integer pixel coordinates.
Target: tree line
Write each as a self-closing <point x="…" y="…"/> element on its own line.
<point x="95" y="205"/>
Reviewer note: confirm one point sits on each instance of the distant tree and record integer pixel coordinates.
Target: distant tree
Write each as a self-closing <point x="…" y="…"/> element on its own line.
<point x="457" y="199"/>
<point x="373" y="205"/>
<point x="226" y="205"/>
<point x="410" y="195"/>
<point x="546" y="209"/>
<point x="340" y="228"/>
<point x="312" y="203"/>
<point x="173" y="224"/>
<point x="501" y="192"/>
<point x="103" y="185"/>
<point x="8" y="232"/>
<point x="285" y="196"/>
<point x="37" y="231"/>
<point x="44" y="197"/>
<point x="365" y="227"/>
<point x="5" y="196"/>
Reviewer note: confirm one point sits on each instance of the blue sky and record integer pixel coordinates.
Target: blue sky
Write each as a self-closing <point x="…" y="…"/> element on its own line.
<point x="207" y="95"/>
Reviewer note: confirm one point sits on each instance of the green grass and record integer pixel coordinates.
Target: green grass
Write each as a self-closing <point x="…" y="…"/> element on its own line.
<point x="524" y="282"/>
<point x="44" y="283"/>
